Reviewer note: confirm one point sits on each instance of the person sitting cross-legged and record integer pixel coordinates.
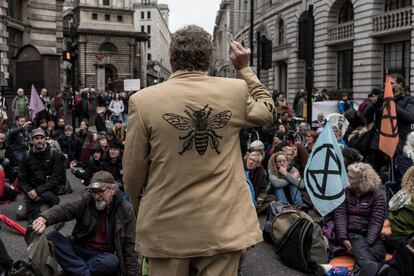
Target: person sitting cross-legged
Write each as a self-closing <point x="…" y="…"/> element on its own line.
<point x="103" y="240"/>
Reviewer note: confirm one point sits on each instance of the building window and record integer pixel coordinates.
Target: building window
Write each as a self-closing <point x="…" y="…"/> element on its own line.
<point x="397" y="59"/>
<point x="149" y="15"/>
<point x="142" y="15"/>
<point x="15" y="9"/>
<point x="149" y="57"/>
<point x="95" y="16"/>
<point x="106" y="2"/>
<point x="108" y="47"/>
<point x="345" y="60"/>
<point x="391" y="5"/>
<point x="149" y="43"/>
<point x="107" y="17"/>
<point x="281" y="32"/>
<point x="142" y="29"/>
<point x="346" y="14"/>
<point x="120" y="19"/>
<point x="148" y="29"/>
<point x="15" y="41"/>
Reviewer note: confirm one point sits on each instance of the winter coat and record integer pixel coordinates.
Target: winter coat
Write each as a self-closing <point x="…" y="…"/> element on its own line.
<point x="405" y="117"/>
<point x="114" y="168"/>
<point x="402" y="217"/>
<point x="43" y="171"/>
<point x="71" y="146"/>
<point x="90" y="169"/>
<point x="364" y="215"/>
<point x="116" y="107"/>
<point x="121" y="226"/>
<point x="344" y="106"/>
<point x="15" y="107"/>
<point x="259" y="183"/>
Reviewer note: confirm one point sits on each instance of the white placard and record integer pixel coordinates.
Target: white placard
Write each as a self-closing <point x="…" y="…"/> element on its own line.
<point x="132" y="84"/>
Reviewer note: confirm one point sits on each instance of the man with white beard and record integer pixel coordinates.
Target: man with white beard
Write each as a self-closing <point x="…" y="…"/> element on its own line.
<point x="103" y="238"/>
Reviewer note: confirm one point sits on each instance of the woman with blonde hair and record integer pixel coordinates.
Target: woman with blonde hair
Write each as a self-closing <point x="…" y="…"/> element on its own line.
<point x="359" y="219"/>
<point x="401" y="207"/>
<point x="285" y="179"/>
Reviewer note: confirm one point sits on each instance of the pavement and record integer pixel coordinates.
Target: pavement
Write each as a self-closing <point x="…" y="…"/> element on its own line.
<point x="260" y="261"/>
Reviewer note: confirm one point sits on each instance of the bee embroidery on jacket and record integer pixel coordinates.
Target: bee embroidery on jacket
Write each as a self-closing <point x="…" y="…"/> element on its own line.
<point x="201" y="126"/>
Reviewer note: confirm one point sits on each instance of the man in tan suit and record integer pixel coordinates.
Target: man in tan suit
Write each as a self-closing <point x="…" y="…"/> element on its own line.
<point x="182" y="145"/>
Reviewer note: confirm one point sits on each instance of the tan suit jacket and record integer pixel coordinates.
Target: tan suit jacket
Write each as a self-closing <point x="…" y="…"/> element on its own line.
<point x="183" y="145"/>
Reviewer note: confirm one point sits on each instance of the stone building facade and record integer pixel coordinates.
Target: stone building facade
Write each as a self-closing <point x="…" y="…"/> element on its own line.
<point x="31" y="40"/>
<point x="356" y="42"/>
<point x="109" y="49"/>
<point x="152" y="18"/>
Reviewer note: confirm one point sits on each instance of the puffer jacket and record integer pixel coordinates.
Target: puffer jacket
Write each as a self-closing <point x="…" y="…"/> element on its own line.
<point x="121" y="226"/>
<point x="363" y="215"/>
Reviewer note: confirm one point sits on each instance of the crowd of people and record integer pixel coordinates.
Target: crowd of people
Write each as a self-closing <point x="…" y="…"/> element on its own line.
<point x="274" y="158"/>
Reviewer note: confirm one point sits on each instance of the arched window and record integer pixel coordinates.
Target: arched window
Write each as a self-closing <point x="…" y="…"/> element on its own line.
<point x="391" y="5"/>
<point x="108" y="48"/>
<point x="346" y="13"/>
<point x="281" y="32"/>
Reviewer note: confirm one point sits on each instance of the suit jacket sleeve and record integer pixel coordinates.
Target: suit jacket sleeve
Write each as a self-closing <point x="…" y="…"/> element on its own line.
<point x="136" y="158"/>
<point x="260" y="107"/>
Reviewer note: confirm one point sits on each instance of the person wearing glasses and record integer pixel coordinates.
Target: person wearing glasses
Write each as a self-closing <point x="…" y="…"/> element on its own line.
<point x="103" y="239"/>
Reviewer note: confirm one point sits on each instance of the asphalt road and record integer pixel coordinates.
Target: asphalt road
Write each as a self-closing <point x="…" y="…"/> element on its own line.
<point x="260" y="261"/>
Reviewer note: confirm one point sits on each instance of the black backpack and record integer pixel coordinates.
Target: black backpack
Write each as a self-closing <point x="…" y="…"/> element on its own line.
<point x="299" y="241"/>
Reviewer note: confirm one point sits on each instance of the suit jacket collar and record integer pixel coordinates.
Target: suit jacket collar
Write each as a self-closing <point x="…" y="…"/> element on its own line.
<point x="186" y="74"/>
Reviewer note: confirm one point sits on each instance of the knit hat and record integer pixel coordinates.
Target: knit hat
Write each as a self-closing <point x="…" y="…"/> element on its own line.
<point x="116" y="145"/>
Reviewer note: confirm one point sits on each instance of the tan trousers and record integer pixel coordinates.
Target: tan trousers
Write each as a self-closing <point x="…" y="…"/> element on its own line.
<point x="217" y="265"/>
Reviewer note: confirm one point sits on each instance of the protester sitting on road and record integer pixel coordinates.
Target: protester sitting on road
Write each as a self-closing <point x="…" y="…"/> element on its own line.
<point x="337" y="131"/>
<point x="285" y="180"/>
<point x="311" y="137"/>
<point x="257" y="176"/>
<point x="113" y="161"/>
<point x="103" y="239"/>
<point x="100" y="123"/>
<point x="83" y="131"/>
<point x="70" y="144"/>
<point x="300" y="135"/>
<point x="401" y="212"/>
<point x="119" y="130"/>
<point x="279" y="143"/>
<point x="404" y="160"/>
<point x="58" y="129"/>
<point x="18" y="140"/>
<point x="94" y="165"/>
<point x="41" y="173"/>
<point x="360" y="218"/>
<point x="351" y="156"/>
<point x="110" y="136"/>
<point x="301" y="156"/>
<point x="89" y="142"/>
<point x="319" y="122"/>
<point x="4" y="161"/>
<point x="103" y="142"/>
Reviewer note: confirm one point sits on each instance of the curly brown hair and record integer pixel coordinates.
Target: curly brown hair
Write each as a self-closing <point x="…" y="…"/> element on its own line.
<point x="191" y="49"/>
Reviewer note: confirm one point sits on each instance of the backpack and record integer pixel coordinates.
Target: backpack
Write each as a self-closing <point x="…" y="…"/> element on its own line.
<point x="299" y="241"/>
<point x="39" y="259"/>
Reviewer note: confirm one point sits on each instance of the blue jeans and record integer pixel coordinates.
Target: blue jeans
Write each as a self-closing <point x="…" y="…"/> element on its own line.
<point x="78" y="261"/>
<point x="294" y="195"/>
<point x="125" y="119"/>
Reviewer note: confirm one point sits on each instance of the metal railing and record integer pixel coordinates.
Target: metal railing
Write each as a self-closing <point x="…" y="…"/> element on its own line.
<point x="393" y="20"/>
<point x="342" y="31"/>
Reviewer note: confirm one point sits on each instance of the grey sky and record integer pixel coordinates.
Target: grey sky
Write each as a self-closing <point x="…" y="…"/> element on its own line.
<point x="199" y="12"/>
